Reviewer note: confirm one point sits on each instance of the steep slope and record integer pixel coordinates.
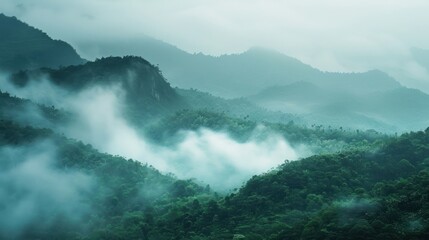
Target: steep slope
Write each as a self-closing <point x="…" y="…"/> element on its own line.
<point x="25" y="47"/>
<point x="237" y="75"/>
<point x="147" y="93"/>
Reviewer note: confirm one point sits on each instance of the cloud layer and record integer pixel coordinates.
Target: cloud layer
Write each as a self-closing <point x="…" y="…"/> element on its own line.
<point x="34" y="193"/>
<point x="210" y="157"/>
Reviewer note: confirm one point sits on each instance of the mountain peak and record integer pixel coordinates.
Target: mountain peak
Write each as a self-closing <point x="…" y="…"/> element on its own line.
<point x="26" y="47"/>
<point x="144" y="86"/>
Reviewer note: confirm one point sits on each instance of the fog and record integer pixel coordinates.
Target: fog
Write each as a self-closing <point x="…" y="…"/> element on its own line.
<point x="210" y="157"/>
<point x="332" y="35"/>
<point x="33" y="189"/>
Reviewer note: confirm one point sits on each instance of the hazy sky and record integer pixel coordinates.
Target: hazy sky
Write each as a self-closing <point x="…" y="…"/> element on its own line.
<point x="340" y="35"/>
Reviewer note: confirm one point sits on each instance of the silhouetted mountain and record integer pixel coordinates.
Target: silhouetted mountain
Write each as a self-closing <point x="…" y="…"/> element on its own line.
<point x="25" y="47"/>
<point x="237" y="75"/>
<point x="146" y="90"/>
<point x="391" y="110"/>
<point x="402" y="107"/>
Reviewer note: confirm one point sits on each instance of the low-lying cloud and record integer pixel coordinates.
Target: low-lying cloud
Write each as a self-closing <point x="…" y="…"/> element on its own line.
<point x="210" y="157"/>
<point x="34" y="194"/>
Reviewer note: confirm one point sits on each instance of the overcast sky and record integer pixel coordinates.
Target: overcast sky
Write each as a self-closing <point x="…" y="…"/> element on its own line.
<point x="336" y="35"/>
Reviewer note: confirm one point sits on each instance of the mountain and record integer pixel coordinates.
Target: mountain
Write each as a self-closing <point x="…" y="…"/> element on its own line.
<point x="237" y="75"/>
<point x="360" y="185"/>
<point x="147" y="93"/>
<point x="374" y="194"/>
<point x="399" y="109"/>
<point x="76" y="190"/>
<point x="25" y="47"/>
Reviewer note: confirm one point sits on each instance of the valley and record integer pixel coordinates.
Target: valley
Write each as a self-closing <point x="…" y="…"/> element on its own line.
<point x="142" y="140"/>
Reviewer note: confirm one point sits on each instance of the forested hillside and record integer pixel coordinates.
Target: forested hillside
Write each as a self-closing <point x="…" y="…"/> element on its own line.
<point x="86" y="194"/>
<point x="318" y="138"/>
<point x="255" y="145"/>
<point x="371" y="194"/>
<point x="376" y="194"/>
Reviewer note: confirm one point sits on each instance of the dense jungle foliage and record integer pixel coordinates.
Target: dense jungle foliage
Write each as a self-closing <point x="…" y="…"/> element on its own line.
<point x="372" y="194"/>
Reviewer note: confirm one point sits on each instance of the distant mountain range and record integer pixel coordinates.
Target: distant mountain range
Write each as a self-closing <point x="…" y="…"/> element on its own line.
<point x="277" y="88"/>
<point x="237" y="75"/>
<point x="398" y="109"/>
<point x="277" y="82"/>
<point x="25" y="47"/>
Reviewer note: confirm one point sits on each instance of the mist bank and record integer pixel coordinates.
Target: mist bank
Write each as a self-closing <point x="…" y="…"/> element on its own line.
<point x="55" y="187"/>
<point x="345" y="191"/>
<point x="33" y="188"/>
<point x="210" y="157"/>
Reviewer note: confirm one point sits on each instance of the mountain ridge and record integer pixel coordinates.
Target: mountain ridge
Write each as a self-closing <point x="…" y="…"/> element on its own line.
<point x="222" y="75"/>
<point x="25" y="47"/>
<point x="146" y="91"/>
<point x="398" y="109"/>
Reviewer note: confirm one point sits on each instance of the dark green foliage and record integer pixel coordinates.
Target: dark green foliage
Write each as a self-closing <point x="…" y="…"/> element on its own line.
<point x="25" y="47"/>
<point x="362" y="185"/>
<point x="28" y="113"/>
<point x="318" y="138"/>
<point x="127" y="194"/>
<point x="194" y="120"/>
<point x="370" y="194"/>
<point x="352" y="195"/>
<point x="14" y="134"/>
